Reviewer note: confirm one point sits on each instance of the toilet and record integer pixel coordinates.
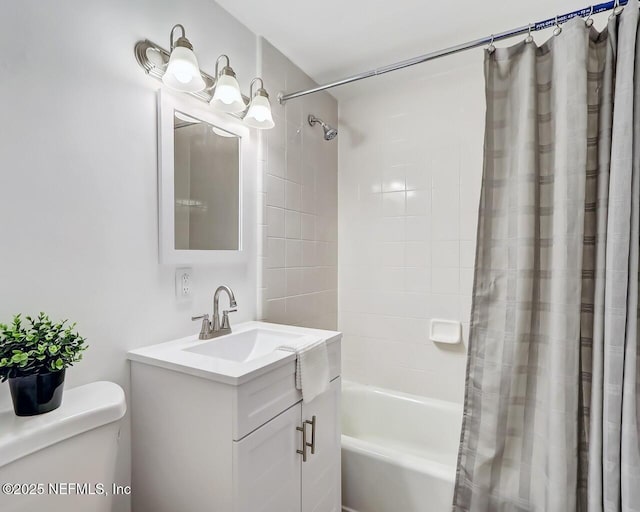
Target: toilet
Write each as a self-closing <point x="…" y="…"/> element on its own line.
<point x="64" y="460"/>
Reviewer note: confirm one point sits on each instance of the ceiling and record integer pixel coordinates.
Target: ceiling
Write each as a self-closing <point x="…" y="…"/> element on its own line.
<point x="330" y="39"/>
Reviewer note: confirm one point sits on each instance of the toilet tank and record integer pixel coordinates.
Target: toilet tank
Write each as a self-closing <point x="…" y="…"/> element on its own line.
<point x="64" y="460"/>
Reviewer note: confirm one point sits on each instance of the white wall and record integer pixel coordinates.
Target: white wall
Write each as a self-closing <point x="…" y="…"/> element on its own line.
<point x="299" y="204"/>
<point x="410" y="166"/>
<point x="78" y="186"/>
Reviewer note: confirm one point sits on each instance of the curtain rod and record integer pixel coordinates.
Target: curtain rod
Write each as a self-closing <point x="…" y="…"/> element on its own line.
<point x="533" y="27"/>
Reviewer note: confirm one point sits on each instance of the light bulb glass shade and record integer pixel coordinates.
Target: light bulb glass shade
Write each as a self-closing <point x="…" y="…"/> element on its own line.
<point x="259" y="113"/>
<point x="183" y="73"/>
<point x="227" y="96"/>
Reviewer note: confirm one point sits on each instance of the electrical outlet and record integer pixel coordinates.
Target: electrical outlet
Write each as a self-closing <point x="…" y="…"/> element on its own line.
<point x="184" y="283"/>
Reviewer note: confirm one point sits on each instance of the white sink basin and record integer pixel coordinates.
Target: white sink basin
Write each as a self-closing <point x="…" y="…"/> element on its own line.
<point x="244" y="346"/>
<point x="235" y="358"/>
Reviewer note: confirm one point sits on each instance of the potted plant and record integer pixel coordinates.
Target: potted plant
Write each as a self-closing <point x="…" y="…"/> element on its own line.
<point x="34" y="353"/>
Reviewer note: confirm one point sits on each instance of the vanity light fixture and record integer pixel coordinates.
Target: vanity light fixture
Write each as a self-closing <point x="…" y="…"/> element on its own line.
<point x="259" y="113"/>
<point x="226" y="94"/>
<point x="178" y="69"/>
<point x="183" y="72"/>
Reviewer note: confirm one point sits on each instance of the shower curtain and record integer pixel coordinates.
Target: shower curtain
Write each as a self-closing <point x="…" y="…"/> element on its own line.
<point x="552" y="397"/>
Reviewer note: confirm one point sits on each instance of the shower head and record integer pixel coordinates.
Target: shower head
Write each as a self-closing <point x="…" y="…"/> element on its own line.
<point x="330" y="133"/>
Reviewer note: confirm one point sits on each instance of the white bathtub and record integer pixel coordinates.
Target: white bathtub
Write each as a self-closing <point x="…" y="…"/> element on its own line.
<point x="399" y="451"/>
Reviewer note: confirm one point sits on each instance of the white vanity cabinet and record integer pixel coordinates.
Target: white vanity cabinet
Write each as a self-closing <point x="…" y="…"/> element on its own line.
<point x="202" y="445"/>
<point x="271" y="475"/>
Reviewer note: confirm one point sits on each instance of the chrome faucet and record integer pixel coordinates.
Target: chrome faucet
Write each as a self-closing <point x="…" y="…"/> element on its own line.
<point x="214" y="329"/>
<point x="225" y="314"/>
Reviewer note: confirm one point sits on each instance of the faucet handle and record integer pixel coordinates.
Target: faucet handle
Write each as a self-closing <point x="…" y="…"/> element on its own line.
<point x="225" y="318"/>
<point x="205" y="330"/>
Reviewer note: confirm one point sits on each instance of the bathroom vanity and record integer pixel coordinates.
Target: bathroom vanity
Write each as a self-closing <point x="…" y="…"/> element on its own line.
<point x="219" y="425"/>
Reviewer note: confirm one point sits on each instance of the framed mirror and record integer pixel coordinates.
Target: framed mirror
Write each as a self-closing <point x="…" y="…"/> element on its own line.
<point x="200" y="183"/>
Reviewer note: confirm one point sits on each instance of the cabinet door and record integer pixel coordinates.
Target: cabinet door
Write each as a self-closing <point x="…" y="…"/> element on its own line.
<point x="266" y="471"/>
<point x="321" y="491"/>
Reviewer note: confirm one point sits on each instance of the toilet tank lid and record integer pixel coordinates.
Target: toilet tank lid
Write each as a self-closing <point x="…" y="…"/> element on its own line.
<point x="83" y="408"/>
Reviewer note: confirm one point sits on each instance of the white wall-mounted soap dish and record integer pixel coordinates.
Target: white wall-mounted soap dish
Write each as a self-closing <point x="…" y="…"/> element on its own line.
<point x="445" y="331"/>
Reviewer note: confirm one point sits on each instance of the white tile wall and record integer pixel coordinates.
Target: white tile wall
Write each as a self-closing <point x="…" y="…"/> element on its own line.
<point x="299" y="198"/>
<point x="410" y="167"/>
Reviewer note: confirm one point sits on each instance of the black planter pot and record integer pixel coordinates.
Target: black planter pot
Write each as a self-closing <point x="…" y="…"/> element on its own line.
<point x="37" y="394"/>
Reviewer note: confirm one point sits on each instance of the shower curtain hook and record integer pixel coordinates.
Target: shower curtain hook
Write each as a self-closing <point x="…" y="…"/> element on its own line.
<point x="491" y="48"/>
<point x="589" y="21"/>
<point x="617" y="9"/>
<point x="529" y="38"/>
<point x="558" y="29"/>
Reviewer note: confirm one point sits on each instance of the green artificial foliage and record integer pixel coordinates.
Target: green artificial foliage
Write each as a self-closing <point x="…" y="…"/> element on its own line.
<point x="32" y="346"/>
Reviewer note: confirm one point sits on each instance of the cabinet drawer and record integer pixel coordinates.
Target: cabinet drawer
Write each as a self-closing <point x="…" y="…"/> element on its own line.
<point x="266" y="396"/>
<point x="263" y="398"/>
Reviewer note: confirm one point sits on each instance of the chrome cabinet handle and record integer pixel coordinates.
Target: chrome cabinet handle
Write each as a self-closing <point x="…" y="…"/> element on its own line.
<point x="303" y="452"/>
<point x="312" y="444"/>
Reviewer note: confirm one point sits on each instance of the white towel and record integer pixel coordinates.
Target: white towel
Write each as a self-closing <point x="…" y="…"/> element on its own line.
<point x="312" y="367"/>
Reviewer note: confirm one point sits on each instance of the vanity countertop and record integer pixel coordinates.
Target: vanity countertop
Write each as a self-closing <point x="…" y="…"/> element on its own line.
<point x="182" y="354"/>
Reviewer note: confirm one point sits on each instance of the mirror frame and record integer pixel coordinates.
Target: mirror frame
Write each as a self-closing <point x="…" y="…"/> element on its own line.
<point x="167" y="105"/>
